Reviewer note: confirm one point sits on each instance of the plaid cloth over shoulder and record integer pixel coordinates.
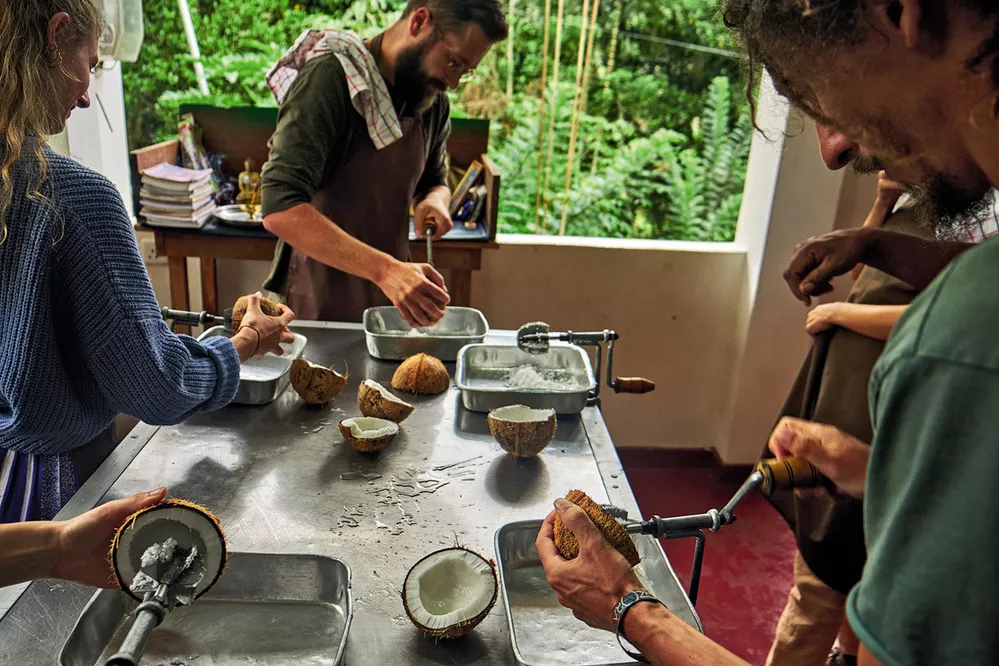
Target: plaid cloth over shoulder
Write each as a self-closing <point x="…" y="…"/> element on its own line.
<point x="368" y="92"/>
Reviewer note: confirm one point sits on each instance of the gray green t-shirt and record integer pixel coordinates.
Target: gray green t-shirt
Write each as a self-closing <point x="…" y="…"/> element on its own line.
<point x="930" y="589"/>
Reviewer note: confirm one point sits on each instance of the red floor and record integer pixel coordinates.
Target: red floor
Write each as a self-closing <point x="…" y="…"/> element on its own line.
<point x="747" y="569"/>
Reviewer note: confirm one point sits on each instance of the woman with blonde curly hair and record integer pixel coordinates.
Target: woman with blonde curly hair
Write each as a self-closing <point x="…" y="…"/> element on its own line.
<point x="81" y="336"/>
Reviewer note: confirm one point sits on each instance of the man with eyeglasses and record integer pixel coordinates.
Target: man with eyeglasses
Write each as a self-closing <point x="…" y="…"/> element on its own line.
<point x="361" y="137"/>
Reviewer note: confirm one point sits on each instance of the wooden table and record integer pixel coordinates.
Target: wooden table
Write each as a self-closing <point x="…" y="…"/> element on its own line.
<point x="215" y="241"/>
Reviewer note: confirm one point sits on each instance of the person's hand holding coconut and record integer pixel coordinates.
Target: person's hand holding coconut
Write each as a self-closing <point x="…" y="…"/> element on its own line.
<point x="592" y="583"/>
<point x="260" y="326"/>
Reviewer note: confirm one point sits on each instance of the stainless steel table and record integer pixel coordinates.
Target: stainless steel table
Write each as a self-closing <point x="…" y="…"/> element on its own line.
<point x="281" y="480"/>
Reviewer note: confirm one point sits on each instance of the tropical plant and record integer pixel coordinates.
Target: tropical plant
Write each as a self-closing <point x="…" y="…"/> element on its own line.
<point x="662" y="141"/>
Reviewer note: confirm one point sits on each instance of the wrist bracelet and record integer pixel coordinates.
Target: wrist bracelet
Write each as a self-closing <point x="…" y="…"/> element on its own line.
<point x="627" y="602"/>
<point x="257" y="347"/>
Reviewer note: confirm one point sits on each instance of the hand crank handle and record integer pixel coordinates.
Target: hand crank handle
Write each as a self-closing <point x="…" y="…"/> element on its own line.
<point x="634" y="385"/>
<point x="789" y="473"/>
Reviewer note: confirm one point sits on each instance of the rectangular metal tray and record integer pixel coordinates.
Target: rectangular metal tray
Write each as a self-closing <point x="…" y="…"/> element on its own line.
<point x="266" y="608"/>
<point x="390" y="338"/>
<point x="261" y="380"/>
<point x="535" y="615"/>
<point x="483" y="369"/>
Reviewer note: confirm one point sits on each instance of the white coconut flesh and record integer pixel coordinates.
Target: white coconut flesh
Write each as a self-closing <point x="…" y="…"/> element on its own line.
<point x="522" y="414"/>
<point x="449" y="588"/>
<point x="368" y="427"/>
<point x="384" y="392"/>
<point x="187" y="526"/>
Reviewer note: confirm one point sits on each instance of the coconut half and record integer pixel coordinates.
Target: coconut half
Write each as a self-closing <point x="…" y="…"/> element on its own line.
<point x="316" y="384"/>
<point x="449" y="592"/>
<point x="151" y="530"/>
<point x="369" y="434"/>
<point x="612" y="530"/>
<point x="375" y="400"/>
<point x="422" y="373"/>
<point x="267" y="306"/>
<point x="522" y="431"/>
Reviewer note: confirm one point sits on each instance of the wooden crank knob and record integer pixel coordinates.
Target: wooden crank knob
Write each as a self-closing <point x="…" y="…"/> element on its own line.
<point x="636" y="385"/>
<point x="788" y="473"/>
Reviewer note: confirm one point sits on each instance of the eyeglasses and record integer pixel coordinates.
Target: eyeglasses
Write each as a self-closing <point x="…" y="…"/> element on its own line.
<point x="456" y="65"/>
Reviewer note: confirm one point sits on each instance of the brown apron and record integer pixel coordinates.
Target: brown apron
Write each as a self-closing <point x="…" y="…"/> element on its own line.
<point x="831" y="388"/>
<point x="368" y="197"/>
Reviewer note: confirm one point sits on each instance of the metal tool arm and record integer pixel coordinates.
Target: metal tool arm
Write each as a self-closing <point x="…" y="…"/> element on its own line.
<point x="186" y="318"/>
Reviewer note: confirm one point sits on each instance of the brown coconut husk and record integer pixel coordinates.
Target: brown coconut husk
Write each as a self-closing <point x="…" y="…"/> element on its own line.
<point x="421" y="373"/>
<point x="612" y="530"/>
<point x="267" y="306"/>
<point x="316" y="384"/>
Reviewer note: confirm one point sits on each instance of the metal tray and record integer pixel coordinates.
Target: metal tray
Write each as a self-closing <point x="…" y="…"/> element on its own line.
<point x="390" y="338"/>
<point x="535" y="615"/>
<point x="261" y="380"/>
<point x="483" y="370"/>
<point x="273" y="609"/>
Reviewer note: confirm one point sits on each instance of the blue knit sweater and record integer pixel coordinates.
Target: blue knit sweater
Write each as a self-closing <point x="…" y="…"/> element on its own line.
<point x="81" y="335"/>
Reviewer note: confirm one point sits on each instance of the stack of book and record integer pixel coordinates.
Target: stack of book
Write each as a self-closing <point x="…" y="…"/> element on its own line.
<point x="172" y="196"/>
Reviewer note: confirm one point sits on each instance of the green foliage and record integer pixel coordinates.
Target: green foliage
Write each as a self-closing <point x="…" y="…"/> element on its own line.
<point x="661" y="147"/>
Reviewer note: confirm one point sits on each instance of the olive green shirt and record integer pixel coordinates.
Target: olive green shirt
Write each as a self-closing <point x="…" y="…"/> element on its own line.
<point x="930" y="588"/>
<point x="315" y="127"/>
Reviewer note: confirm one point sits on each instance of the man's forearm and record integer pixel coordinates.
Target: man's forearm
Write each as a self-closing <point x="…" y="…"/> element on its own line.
<point x="874" y="321"/>
<point x="909" y="258"/>
<point x="666" y="640"/>
<point x="309" y="231"/>
<point x="27" y="551"/>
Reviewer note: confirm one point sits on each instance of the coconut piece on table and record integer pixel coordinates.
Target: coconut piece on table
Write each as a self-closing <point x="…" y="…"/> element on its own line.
<point x="267" y="306"/>
<point x="316" y="384"/>
<point x="612" y="530"/>
<point x="522" y="431"/>
<point x="421" y="373"/>
<point x="448" y="592"/>
<point x="368" y="434"/>
<point x="375" y="400"/>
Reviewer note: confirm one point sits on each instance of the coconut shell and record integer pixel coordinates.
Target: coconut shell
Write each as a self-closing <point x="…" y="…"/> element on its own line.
<point x="458" y="630"/>
<point x="366" y="444"/>
<point x="524" y="439"/>
<point x="315" y="384"/>
<point x="167" y="503"/>
<point x="421" y="373"/>
<point x="372" y="403"/>
<point x="612" y="530"/>
<point x="267" y="306"/>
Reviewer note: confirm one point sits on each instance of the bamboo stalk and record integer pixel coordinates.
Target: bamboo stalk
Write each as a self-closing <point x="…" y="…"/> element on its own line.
<point x="589" y="55"/>
<point x="576" y="104"/>
<point x="541" y="118"/>
<point x="554" y="105"/>
<point x="509" y="50"/>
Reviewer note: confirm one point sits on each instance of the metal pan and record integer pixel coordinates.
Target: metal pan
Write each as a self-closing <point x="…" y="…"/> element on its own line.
<point x="484" y="372"/>
<point x="261" y="380"/>
<point x="278" y="609"/>
<point x="390" y="338"/>
<point x="535" y="615"/>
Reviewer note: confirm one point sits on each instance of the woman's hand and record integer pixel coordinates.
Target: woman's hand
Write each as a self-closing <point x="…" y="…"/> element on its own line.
<point x="259" y="334"/>
<point x="823" y="317"/>
<point x="82" y="544"/>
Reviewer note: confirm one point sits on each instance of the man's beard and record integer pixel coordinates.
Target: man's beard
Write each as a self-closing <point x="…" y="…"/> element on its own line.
<point x="946" y="207"/>
<point x="940" y="204"/>
<point x="414" y="85"/>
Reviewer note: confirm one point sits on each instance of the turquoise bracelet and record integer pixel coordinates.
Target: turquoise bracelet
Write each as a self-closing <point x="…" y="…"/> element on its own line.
<point x="621" y="609"/>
